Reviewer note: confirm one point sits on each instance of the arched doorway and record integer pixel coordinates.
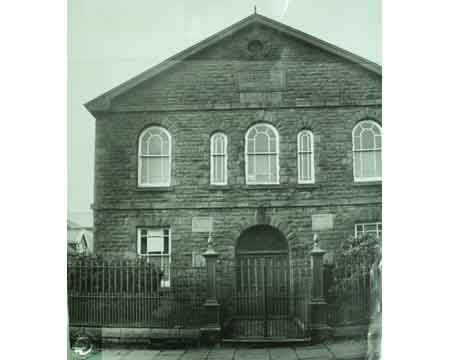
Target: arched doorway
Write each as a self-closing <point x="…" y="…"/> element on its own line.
<point x="262" y="283"/>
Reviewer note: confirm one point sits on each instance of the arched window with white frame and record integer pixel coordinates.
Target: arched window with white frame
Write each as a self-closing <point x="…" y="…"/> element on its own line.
<point x="154" y="157"/>
<point x="367" y="151"/>
<point x="261" y="155"/>
<point x="305" y="157"/>
<point x="218" y="160"/>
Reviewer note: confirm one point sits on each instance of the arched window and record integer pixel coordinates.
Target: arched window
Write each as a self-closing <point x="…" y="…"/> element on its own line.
<point x="367" y="151"/>
<point x="305" y="148"/>
<point x="218" y="159"/>
<point x="261" y="155"/>
<point x="154" y="157"/>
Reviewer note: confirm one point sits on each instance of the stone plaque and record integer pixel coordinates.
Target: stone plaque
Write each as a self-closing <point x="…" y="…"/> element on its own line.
<point x="321" y="222"/>
<point x="202" y="224"/>
<point x="261" y="80"/>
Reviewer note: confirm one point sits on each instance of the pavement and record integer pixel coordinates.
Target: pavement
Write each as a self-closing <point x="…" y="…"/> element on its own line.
<point x="348" y="349"/>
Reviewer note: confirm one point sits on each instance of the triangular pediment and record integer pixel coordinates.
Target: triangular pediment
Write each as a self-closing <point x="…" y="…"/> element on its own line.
<point x="253" y="40"/>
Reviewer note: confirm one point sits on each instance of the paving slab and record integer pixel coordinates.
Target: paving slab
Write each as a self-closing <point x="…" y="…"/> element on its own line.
<point x="110" y="354"/>
<point x="282" y="353"/>
<point x="170" y="354"/>
<point x="221" y="354"/>
<point x="196" y="354"/>
<point x="318" y="352"/>
<point x="252" y="354"/>
<point x="141" y="355"/>
<point x="348" y="349"/>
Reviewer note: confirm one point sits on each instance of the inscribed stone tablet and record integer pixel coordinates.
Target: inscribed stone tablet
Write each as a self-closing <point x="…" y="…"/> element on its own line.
<point x="321" y="222"/>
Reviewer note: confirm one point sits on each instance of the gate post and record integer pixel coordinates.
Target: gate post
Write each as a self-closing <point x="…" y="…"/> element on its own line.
<point x="211" y="330"/>
<point x="318" y="307"/>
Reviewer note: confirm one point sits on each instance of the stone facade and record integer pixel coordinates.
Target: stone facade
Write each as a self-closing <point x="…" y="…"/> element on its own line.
<point x="229" y="86"/>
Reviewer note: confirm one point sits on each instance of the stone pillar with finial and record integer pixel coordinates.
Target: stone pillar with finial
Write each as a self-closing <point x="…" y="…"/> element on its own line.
<point x="211" y="330"/>
<point x="318" y="307"/>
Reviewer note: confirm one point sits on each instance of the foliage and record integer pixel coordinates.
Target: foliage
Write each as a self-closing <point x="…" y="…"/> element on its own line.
<point x="96" y="273"/>
<point x="354" y="259"/>
<point x="365" y="248"/>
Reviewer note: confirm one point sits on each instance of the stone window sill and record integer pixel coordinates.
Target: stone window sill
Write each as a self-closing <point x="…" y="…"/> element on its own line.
<point x="219" y="187"/>
<point x="307" y="186"/>
<point x="282" y="186"/>
<point x="155" y="188"/>
<point x="367" y="183"/>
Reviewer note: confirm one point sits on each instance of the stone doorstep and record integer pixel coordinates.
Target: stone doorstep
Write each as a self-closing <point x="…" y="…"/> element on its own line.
<point x="314" y="353"/>
<point x="348" y="350"/>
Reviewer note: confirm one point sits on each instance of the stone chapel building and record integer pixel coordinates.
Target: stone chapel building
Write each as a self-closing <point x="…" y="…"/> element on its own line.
<point x="260" y="133"/>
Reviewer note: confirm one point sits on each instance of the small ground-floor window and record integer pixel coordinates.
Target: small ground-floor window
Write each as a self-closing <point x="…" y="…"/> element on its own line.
<point x="155" y="244"/>
<point x="368" y="228"/>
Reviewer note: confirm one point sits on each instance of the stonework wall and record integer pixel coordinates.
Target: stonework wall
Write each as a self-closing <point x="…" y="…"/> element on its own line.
<point x="293" y="86"/>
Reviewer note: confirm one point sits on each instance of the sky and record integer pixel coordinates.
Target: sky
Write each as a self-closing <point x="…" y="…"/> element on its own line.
<point x="110" y="41"/>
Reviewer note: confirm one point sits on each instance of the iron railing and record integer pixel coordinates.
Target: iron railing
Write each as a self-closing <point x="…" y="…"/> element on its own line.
<point x="134" y="294"/>
<point x="348" y="292"/>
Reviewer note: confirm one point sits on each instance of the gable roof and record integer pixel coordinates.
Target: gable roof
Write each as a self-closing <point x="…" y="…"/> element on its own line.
<point x="102" y="102"/>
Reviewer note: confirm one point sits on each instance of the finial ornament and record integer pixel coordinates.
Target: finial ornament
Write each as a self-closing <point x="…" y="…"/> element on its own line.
<point x="316" y="241"/>
<point x="210" y="241"/>
<point x="254" y="7"/>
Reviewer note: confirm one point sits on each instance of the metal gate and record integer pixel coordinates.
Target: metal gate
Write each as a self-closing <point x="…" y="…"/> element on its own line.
<point x="268" y="298"/>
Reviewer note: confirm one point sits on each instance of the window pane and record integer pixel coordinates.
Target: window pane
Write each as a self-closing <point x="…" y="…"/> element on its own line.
<point x="166" y="244"/>
<point x="251" y="146"/>
<point x="163" y="135"/>
<point x="156" y="168"/>
<point x="155" y="145"/>
<point x="368" y="164"/>
<point x="273" y="145"/>
<point x="273" y="168"/>
<point x="143" y="245"/>
<point x="251" y="165"/>
<point x="305" y="144"/>
<point x="378" y="163"/>
<point x="262" y="143"/>
<point x="145" y="163"/>
<point x="378" y="141"/>
<point x="144" y="144"/>
<point x="220" y="145"/>
<point x="370" y="227"/>
<point x="219" y="176"/>
<point x="222" y="169"/>
<point x="357" y="165"/>
<point x="376" y="129"/>
<point x="356" y="143"/>
<point x="165" y="147"/>
<point x="166" y="170"/>
<point x="262" y="165"/>
<point x="305" y="166"/>
<point x="155" y="244"/>
<point x="367" y="139"/>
